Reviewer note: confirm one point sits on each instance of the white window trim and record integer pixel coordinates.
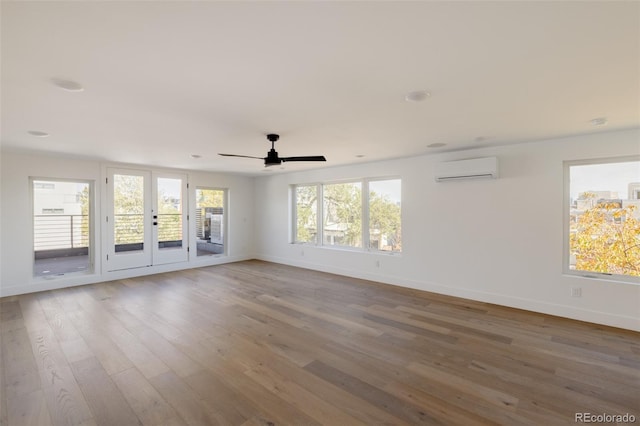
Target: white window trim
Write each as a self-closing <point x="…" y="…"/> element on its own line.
<point x="566" y="260"/>
<point x="92" y="227"/>
<point x="225" y="223"/>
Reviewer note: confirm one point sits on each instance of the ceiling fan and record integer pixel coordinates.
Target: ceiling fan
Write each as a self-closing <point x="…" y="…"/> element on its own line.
<point x="272" y="158"/>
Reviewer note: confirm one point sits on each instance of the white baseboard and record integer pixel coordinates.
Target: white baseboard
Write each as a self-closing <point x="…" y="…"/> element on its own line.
<point x="84" y="279"/>
<point x="571" y="312"/>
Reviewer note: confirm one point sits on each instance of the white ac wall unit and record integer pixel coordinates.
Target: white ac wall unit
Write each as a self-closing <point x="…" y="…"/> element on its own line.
<point x="475" y="168"/>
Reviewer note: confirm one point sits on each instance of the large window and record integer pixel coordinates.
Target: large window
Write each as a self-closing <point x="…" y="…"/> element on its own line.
<point x="61" y="227"/>
<point x="604" y="218"/>
<point x="363" y="214"/>
<point x="210" y="221"/>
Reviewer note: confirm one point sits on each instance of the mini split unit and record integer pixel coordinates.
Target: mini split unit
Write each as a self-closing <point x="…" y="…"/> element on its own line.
<point x="475" y="168"/>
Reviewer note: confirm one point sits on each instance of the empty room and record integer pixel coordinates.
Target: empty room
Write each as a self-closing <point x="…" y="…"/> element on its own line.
<point x="319" y="213"/>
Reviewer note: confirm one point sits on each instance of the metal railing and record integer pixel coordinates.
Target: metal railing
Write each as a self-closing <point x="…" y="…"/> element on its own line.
<point x="51" y="232"/>
<point x="56" y="232"/>
<point x="169" y="227"/>
<point x="129" y="228"/>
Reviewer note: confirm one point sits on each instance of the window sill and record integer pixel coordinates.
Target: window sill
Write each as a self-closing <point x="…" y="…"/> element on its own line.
<point x="349" y="249"/>
<point x="609" y="278"/>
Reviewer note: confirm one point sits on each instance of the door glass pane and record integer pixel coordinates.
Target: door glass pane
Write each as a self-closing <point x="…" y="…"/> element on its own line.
<point x="210" y="221"/>
<point x="128" y="212"/>
<point x="169" y="213"/>
<point x="61" y="227"/>
<point x="384" y="215"/>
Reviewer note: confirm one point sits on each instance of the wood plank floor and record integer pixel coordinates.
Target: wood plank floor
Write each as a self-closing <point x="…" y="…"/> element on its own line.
<point x="256" y="343"/>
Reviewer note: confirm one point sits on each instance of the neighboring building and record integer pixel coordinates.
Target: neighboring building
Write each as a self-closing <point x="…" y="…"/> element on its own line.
<point x="634" y="191"/>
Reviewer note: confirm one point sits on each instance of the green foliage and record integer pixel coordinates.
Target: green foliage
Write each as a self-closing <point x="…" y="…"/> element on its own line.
<point x="128" y="195"/>
<point x="84" y="200"/>
<point x="209" y="198"/>
<point x="343" y="214"/>
<point x="342" y="221"/>
<point x="306" y="214"/>
<point x="385" y="222"/>
<point x="128" y="209"/>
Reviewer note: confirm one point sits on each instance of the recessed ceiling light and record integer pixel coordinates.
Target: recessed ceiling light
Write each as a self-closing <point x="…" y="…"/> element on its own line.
<point x="480" y="139"/>
<point x="417" y="96"/>
<point x="436" y="145"/>
<point x="38" y="133"/>
<point x="196" y="156"/>
<point x="600" y="121"/>
<point x="68" y="85"/>
<point x="360" y="156"/>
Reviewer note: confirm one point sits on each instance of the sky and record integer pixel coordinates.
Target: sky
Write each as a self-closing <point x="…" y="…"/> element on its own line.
<point x="392" y="188"/>
<point x="604" y="177"/>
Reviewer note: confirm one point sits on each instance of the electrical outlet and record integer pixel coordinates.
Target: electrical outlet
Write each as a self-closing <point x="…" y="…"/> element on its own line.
<point x="576" y="291"/>
<point x="377" y="263"/>
<point x="302" y="252"/>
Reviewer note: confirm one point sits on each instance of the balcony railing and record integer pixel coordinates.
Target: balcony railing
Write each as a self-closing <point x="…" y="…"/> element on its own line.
<point x="169" y="227"/>
<point x="58" y="232"/>
<point x="129" y="228"/>
<point x="53" y="232"/>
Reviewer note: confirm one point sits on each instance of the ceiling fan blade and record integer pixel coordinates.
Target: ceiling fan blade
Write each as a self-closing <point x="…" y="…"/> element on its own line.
<point x="243" y="156"/>
<point x="307" y="158"/>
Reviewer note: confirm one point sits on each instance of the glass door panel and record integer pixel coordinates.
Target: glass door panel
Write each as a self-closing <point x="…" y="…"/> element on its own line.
<point x="169" y="213"/>
<point x="128" y="222"/>
<point x="128" y="213"/>
<point x="169" y="219"/>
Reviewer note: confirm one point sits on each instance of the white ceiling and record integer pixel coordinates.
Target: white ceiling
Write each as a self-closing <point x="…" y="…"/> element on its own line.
<point x="164" y="80"/>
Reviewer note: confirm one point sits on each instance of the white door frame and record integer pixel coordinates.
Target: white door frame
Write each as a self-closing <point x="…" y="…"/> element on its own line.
<point x="150" y="254"/>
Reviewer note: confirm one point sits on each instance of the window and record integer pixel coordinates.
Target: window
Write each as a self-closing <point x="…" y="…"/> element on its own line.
<point x="61" y="235"/>
<point x="306" y="200"/>
<point x="384" y="215"/>
<point x="342" y="214"/>
<point x="604" y="218"/>
<point x="363" y="214"/>
<point x="210" y="221"/>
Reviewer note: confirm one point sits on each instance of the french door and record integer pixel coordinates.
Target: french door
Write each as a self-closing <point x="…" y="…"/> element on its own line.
<point x="146" y="219"/>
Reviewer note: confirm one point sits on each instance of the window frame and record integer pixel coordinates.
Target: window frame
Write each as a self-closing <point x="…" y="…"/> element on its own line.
<point x="365" y="217"/>
<point x="566" y="211"/>
<point x="91" y="226"/>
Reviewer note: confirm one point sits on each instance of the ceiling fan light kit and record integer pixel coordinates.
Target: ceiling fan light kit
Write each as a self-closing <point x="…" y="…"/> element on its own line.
<point x="272" y="158"/>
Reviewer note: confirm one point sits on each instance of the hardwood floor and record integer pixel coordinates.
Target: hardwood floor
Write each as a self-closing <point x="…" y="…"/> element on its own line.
<point x="255" y="343"/>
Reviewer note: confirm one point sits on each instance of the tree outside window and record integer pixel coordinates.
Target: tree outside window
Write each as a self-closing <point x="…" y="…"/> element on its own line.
<point x="340" y="210"/>
<point x="604" y="221"/>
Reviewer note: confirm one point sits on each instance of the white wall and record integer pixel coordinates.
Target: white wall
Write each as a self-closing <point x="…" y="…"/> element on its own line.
<point x="16" y="252"/>
<point x="499" y="241"/>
